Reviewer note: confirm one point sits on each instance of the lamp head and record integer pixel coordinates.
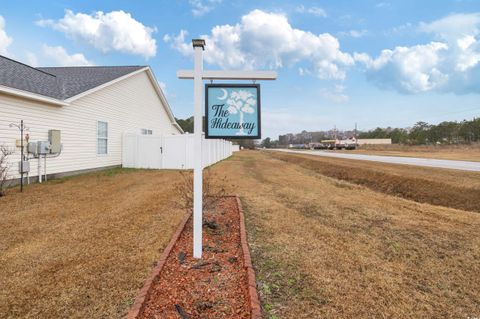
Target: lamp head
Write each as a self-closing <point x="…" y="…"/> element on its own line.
<point x="198" y="43"/>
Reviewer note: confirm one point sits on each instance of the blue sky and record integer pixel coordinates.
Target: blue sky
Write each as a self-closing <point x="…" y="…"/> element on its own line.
<point x="375" y="63"/>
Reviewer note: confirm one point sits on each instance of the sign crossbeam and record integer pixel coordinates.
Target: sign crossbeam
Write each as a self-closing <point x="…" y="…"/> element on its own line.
<point x="228" y="75"/>
<point x="198" y="75"/>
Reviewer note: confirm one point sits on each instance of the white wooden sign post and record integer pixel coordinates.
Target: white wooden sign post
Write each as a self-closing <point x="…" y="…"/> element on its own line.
<point x="198" y="75"/>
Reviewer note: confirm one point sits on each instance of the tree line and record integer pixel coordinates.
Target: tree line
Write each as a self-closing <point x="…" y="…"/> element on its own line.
<point x="447" y="132"/>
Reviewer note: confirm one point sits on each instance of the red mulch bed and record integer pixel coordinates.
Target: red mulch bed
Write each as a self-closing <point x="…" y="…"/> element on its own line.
<point x="215" y="286"/>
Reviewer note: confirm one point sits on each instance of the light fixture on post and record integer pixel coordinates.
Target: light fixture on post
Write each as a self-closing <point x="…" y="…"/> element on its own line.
<point x="22" y="128"/>
<point x="198" y="75"/>
<point x="198" y="43"/>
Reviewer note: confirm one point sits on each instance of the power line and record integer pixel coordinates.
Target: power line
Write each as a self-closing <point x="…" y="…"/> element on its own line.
<point x="456" y="112"/>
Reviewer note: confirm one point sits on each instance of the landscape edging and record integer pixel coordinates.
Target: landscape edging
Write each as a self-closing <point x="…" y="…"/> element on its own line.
<point x="256" y="312"/>
<point x="252" y="284"/>
<point x="143" y="293"/>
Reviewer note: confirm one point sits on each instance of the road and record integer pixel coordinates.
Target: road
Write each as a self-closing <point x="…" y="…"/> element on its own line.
<point x="427" y="162"/>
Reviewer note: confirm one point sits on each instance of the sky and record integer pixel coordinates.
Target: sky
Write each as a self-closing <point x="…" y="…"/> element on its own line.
<point x="372" y="62"/>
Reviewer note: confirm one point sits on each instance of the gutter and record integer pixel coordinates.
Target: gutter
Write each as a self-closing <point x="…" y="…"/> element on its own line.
<point x="32" y="96"/>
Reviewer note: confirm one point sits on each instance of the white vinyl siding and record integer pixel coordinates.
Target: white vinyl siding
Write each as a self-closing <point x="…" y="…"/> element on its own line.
<point x="128" y="106"/>
<point x="102" y="138"/>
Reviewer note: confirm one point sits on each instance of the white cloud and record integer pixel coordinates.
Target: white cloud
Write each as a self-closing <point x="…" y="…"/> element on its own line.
<point x="382" y="5"/>
<point x="354" y="33"/>
<point x="112" y="31"/>
<point x="59" y="57"/>
<point x="408" y="69"/>
<point x="453" y="26"/>
<point x="32" y="59"/>
<point x="178" y="42"/>
<point x="201" y="7"/>
<point x="449" y="64"/>
<point x="460" y="31"/>
<point x="406" y="28"/>
<point x="316" y="11"/>
<point x="5" y="40"/>
<point x="265" y="39"/>
<point x="336" y="94"/>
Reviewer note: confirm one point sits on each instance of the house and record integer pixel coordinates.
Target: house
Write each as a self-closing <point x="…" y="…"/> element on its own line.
<point x="92" y="107"/>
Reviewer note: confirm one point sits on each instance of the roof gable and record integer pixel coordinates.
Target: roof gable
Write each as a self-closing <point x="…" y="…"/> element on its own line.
<point x="20" y="76"/>
<point x="58" y="82"/>
<point x="76" y="80"/>
<point x="61" y="85"/>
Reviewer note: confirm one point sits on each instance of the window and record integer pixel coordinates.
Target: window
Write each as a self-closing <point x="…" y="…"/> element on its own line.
<point x="146" y="131"/>
<point x="102" y="137"/>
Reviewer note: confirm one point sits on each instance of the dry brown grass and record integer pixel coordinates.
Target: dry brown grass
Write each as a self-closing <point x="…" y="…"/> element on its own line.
<point x="456" y="189"/>
<point x="449" y="152"/>
<point x="81" y="247"/>
<point x="325" y="248"/>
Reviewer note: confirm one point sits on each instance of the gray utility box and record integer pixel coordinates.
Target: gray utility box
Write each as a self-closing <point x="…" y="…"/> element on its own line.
<point x="54" y="137"/>
<point x="43" y="147"/>
<point x="32" y="148"/>
<point x="26" y="167"/>
<point x="38" y="148"/>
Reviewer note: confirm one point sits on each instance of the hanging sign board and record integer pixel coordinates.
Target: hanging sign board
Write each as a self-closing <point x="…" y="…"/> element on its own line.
<point x="232" y="111"/>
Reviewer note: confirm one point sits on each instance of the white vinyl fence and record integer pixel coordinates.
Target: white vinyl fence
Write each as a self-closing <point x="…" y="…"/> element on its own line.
<point x="170" y="152"/>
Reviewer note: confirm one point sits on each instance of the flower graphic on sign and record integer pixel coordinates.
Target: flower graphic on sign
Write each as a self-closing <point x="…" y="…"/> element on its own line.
<point x="241" y="102"/>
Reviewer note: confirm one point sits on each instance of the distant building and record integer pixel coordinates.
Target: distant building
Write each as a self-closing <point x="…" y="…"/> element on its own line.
<point x="374" y="141"/>
<point x="307" y="138"/>
<point x="285" y="139"/>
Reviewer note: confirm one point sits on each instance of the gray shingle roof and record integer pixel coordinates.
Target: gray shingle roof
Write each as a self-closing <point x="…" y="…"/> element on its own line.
<point x="58" y="82"/>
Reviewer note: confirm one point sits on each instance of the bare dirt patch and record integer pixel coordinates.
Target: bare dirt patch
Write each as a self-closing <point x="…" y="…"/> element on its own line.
<point x="424" y="185"/>
<point x="213" y="287"/>
<point x="326" y="248"/>
<point x="81" y="247"/>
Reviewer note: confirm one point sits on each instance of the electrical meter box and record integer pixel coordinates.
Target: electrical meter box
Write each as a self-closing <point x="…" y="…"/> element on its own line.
<point x="26" y="167"/>
<point x="32" y="148"/>
<point x="43" y="147"/>
<point x="18" y="142"/>
<point x="54" y="137"/>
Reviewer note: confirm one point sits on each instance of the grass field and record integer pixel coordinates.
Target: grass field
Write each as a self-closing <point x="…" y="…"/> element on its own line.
<point x="448" y="152"/>
<point x="450" y="188"/>
<point x="82" y="247"/>
<point x="327" y="248"/>
<point x="330" y="238"/>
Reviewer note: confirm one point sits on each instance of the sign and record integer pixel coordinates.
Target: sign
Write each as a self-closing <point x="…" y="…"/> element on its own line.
<point x="232" y="111"/>
<point x="198" y="74"/>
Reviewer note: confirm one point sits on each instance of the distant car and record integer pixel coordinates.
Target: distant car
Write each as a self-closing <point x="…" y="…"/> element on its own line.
<point x="317" y="146"/>
<point x="329" y="144"/>
<point x="298" y="146"/>
<point x="351" y="146"/>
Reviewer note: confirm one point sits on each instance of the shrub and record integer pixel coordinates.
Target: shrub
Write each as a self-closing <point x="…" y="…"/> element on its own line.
<point x="4" y="154"/>
<point x="213" y="189"/>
